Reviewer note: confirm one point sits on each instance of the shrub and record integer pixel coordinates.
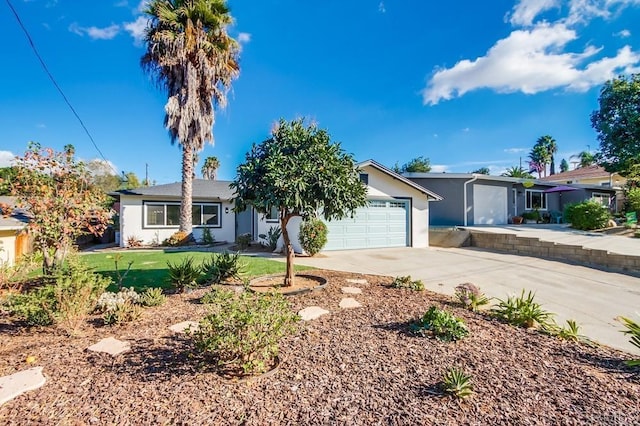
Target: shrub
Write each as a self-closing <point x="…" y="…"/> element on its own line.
<point x="178" y="238"/>
<point x="152" y="297"/>
<point x="183" y="274"/>
<point x="121" y="313"/>
<point x="522" y="311"/>
<point x="313" y="236"/>
<point x="207" y="237"/>
<point x="632" y="329"/>
<point x="408" y="283"/>
<point x="223" y="266"/>
<point x="36" y="308"/>
<point x="633" y="199"/>
<point x="586" y="215"/>
<point x="243" y="241"/>
<point x="457" y="383"/>
<point x="133" y="241"/>
<point x="271" y="237"/>
<point x="532" y="215"/>
<point x="242" y="333"/>
<point x="119" y="275"/>
<point x="109" y="300"/>
<point x="441" y="324"/>
<point x="216" y="296"/>
<point x="470" y="296"/>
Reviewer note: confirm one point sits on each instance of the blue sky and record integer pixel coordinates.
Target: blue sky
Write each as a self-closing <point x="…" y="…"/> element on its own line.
<point x="466" y="84"/>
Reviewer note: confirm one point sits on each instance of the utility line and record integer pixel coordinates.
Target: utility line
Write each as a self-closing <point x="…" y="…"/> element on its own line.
<point x="53" y="80"/>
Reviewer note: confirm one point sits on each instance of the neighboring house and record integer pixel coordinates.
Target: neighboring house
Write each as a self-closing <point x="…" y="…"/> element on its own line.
<point x="475" y="199"/>
<point x="592" y="175"/>
<point x="151" y="214"/>
<point x="397" y="214"/>
<point x="14" y="240"/>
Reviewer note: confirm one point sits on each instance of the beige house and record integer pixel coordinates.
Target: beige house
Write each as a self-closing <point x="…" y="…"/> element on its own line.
<point x="14" y="240"/>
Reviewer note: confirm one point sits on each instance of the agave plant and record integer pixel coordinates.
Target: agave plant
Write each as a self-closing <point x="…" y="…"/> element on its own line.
<point x="457" y="383"/>
<point x="633" y="329"/>
<point x="523" y="311"/>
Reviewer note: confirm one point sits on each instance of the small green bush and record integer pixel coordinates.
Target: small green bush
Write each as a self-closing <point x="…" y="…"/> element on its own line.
<point x="121" y="313"/>
<point x="36" y="308"/>
<point x="243" y="241"/>
<point x="633" y="200"/>
<point x="441" y="324"/>
<point x="470" y="296"/>
<point x="153" y="297"/>
<point x="532" y="215"/>
<point x="408" y="283"/>
<point x="522" y="311"/>
<point x="222" y="267"/>
<point x="632" y="329"/>
<point x="271" y="237"/>
<point x="586" y="215"/>
<point x="313" y="236"/>
<point x="457" y="383"/>
<point x="207" y="237"/>
<point x="184" y="274"/>
<point x="242" y="333"/>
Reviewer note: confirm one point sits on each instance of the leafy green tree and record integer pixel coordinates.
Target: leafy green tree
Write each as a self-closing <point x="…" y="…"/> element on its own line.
<point x="130" y="181"/>
<point x="482" y="171"/>
<point x="417" y="165"/>
<point x="300" y="172"/>
<point x="210" y="168"/>
<point x="7" y="174"/>
<point x="564" y="166"/>
<point x="517" y="172"/>
<point x="63" y="204"/>
<point x="191" y="55"/>
<point x="617" y="124"/>
<point x="585" y="159"/>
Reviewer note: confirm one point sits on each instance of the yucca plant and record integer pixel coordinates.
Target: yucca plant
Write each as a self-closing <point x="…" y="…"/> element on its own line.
<point x="633" y="329"/>
<point x="184" y="274"/>
<point x="522" y="311"/>
<point x="457" y="383"/>
<point x="223" y="266"/>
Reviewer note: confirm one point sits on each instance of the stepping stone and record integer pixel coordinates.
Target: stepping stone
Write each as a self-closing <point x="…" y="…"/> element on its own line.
<point x="356" y="281"/>
<point x="349" y="302"/>
<point x="20" y="382"/>
<point x="312" y="312"/>
<point x="352" y="290"/>
<point x="111" y="346"/>
<point x="181" y="327"/>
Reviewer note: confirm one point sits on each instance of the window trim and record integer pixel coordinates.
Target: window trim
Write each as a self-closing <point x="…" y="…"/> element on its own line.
<point x="272" y="220"/>
<point x="527" y="197"/>
<point x="601" y="195"/>
<point x="145" y="224"/>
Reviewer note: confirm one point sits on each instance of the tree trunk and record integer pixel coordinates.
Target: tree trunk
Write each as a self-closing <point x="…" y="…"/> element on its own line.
<point x="187" y="189"/>
<point x="289" y="277"/>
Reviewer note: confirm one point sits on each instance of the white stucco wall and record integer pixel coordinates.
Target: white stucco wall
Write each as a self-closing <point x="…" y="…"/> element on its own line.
<point x="131" y="222"/>
<point x="381" y="186"/>
<point x="7" y="247"/>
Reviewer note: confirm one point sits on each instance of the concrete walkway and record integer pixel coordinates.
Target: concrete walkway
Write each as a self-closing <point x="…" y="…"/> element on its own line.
<point x="565" y="235"/>
<point x="592" y="297"/>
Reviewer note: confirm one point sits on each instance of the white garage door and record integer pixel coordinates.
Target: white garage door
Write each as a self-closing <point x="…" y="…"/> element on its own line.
<point x="380" y="224"/>
<point x="489" y="205"/>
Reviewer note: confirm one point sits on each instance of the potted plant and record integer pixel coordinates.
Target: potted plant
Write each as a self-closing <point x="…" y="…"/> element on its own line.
<point x="517" y="220"/>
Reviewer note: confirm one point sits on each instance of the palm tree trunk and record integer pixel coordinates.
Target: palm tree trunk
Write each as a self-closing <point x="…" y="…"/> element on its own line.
<point x="187" y="189"/>
<point x="289" y="277"/>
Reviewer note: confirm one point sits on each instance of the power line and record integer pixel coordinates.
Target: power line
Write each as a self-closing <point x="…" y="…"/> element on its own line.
<point x="53" y="80"/>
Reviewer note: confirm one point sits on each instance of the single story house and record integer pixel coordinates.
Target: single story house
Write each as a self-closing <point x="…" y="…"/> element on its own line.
<point x="14" y="240"/>
<point x="397" y="214"/>
<point x="476" y="199"/>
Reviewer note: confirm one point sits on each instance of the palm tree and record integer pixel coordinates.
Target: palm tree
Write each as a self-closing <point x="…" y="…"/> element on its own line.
<point x="517" y="172"/>
<point x="210" y="167"/>
<point x="586" y="159"/>
<point x="551" y="146"/>
<point x="190" y="54"/>
<point x="539" y="158"/>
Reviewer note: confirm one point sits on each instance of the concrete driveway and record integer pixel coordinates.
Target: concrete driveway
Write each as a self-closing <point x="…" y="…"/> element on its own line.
<point x="592" y="297"/>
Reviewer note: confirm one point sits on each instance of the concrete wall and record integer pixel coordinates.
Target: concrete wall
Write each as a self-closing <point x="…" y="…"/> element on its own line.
<point x="132" y="221"/>
<point x="7" y="247"/>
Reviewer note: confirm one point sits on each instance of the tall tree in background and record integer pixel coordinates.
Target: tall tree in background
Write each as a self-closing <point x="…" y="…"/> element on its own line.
<point x="210" y="168"/>
<point x="417" y="165"/>
<point x="482" y="171"/>
<point x="564" y="166"/>
<point x="552" y="148"/>
<point x="539" y="158"/>
<point x="191" y="56"/>
<point x="617" y="124"/>
<point x="585" y="159"/>
<point x="299" y="172"/>
<point x="517" y="172"/>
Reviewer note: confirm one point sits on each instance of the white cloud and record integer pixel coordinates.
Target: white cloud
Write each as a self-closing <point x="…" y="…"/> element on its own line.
<point x="623" y="34"/>
<point x="6" y="158"/>
<point x="244" y="38"/>
<point x="137" y="28"/>
<point x="122" y="3"/>
<point x="106" y="33"/>
<point x="525" y="12"/>
<point x="439" y="168"/>
<point x="515" y="150"/>
<point x="529" y="61"/>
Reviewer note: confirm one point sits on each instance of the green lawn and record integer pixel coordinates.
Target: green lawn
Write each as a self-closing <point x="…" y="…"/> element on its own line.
<point x="149" y="268"/>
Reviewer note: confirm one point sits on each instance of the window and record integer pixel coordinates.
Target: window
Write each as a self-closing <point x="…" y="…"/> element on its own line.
<point x="602" y="198"/>
<point x="535" y="200"/>
<point x="364" y="178"/>
<point x="159" y="214"/>
<point x="273" y="215"/>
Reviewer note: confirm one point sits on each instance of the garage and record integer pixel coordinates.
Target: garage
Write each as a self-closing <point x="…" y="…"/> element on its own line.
<point x="383" y="223"/>
<point x="490" y="205"/>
